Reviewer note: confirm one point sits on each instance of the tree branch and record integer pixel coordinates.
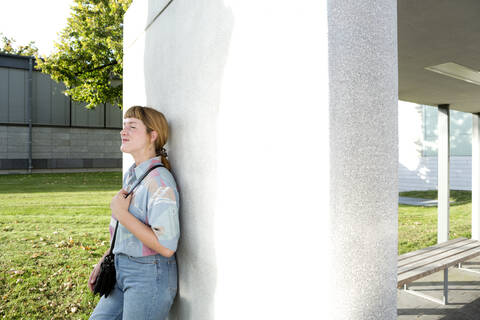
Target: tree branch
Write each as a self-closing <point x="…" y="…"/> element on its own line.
<point x="97" y="68"/>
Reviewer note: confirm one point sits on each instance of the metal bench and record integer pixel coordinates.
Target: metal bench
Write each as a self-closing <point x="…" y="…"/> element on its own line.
<point x="418" y="264"/>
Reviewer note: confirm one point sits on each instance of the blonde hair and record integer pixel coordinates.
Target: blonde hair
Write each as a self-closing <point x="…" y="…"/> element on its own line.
<point x="154" y="120"/>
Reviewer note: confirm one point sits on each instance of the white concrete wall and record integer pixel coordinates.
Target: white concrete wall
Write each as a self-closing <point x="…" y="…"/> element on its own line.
<point x="417" y="172"/>
<point x="410" y="137"/>
<point x="247" y="103"/>
<point x="245" y="87"/>
<point x="424" y="175"/>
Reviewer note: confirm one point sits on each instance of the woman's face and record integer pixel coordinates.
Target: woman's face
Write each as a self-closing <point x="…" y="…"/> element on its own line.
<point x="134" y="136"/>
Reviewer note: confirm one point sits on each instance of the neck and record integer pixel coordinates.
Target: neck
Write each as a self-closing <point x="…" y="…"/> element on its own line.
<point x="139" y="158"/>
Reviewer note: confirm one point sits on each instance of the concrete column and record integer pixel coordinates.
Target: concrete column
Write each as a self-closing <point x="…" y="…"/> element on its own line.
<point x="475" y="176"/>
<point x="284" y="145"/>
<point x="364" y="157"/>
<point x="443" y="172"/>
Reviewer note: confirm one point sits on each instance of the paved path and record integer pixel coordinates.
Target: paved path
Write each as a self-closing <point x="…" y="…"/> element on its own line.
<point x="419" y="202"/>
<point x="463" y="296"/>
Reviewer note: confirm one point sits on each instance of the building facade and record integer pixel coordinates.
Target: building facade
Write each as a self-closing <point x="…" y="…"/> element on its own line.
<point x="418" y="146"/>
<point x="63" y="134"/>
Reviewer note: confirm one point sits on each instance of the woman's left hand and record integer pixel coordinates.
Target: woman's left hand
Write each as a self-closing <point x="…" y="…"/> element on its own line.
<point x="120" y="204"/>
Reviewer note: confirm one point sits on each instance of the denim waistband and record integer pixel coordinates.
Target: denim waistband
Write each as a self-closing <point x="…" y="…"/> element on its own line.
<point x="147" y="259"/>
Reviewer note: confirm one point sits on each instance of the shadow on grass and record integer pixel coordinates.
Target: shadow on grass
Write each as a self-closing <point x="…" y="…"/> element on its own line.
<point x="60" y="182"/>
<point x="460" y="197"/>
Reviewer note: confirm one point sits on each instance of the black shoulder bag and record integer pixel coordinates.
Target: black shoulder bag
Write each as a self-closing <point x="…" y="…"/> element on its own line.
<point x="107" y="276"/>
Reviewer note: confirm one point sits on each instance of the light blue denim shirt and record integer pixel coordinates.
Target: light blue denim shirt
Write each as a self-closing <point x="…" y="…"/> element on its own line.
<point x="155" y="202"/>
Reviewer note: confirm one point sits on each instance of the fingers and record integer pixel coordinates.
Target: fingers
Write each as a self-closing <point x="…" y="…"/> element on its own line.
<point x="93" y="278"/>
<point x="123" y="193"/>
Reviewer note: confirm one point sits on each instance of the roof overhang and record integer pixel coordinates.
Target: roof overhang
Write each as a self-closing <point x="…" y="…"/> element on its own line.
<point x="435" y="32"/>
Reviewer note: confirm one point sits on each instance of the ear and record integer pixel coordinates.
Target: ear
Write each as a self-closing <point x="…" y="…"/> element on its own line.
<point x="153" y="136"/>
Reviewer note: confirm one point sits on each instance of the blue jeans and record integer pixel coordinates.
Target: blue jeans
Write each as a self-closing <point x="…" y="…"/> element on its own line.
<point x="145" y="289"/>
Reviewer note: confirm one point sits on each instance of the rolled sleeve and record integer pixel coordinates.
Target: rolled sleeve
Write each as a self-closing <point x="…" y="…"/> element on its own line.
<point x="162" y="214"/>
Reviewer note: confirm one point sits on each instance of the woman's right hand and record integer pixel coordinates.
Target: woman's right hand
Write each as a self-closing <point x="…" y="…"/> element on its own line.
<point x="94" y="275"/>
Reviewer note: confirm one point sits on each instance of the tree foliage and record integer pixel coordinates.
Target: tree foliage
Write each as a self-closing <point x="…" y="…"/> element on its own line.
<point x="89" y="52"/>
<point x="7" y="46"/>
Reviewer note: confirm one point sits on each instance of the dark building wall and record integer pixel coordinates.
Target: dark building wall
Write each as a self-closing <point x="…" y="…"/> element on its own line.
<point x="64" y="133"/>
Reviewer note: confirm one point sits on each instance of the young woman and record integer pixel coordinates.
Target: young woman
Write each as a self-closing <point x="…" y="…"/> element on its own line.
<point x="148" y="229"/>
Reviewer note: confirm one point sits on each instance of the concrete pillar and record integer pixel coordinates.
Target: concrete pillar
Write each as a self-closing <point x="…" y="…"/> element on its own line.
<point x="364" y="157"/>
<point x="475" y="176"/>
<point x="443" y="172"/>
<point x="284" y="145"/>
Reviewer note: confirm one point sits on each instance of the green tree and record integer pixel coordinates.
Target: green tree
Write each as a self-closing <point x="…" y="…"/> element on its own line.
<point x="7" y="46"/>
<point x="89" y="52"/>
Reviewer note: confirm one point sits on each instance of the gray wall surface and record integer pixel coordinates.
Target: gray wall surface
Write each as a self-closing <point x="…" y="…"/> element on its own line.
<point x="64" y="135"/>
<point x="60" y="147"/>
<point x="283" y="141"/>
<point x="50" y="106"/>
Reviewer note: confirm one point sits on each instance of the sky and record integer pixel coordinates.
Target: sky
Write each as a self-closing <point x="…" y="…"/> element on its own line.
<point x="34" y="20"/>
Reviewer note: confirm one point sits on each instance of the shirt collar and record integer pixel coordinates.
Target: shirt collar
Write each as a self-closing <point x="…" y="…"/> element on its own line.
<point x="144" y="166"/>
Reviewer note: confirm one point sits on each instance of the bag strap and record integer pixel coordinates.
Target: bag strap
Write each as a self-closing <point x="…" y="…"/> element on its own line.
<point x="131" y="190"/>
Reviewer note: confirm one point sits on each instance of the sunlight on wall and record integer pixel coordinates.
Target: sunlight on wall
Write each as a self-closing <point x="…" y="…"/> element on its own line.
<point x="423" y="173"/>
<point x="410" y="134"/>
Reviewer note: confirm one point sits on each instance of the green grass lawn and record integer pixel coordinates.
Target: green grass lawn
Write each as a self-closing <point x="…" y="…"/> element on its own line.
<point x="54" y="228"/>
<point x="417" y="226"/>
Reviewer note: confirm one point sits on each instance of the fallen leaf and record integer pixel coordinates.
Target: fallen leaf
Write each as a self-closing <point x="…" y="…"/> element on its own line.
<point x="13" y="271"/>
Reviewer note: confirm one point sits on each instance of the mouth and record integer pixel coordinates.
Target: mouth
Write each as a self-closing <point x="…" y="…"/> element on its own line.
<point x="124" y="140"/>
